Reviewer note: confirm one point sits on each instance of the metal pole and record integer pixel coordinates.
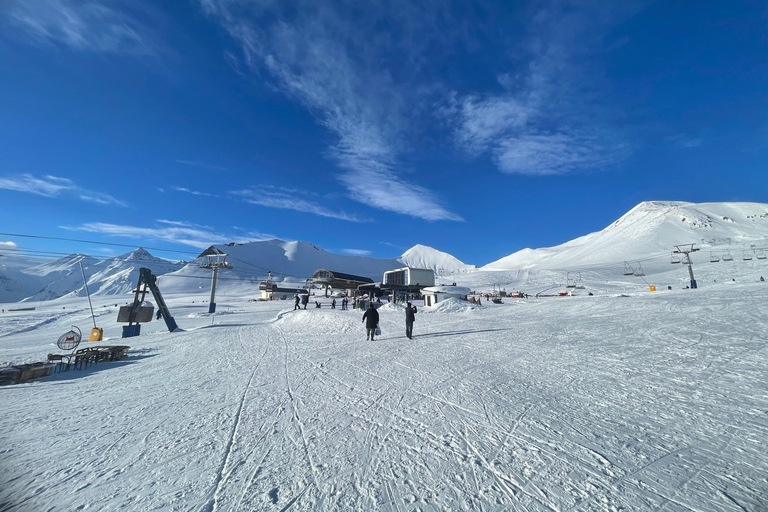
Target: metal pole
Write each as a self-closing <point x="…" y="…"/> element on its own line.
<point x="212" y="306"/>
<point x="87" y="293"/>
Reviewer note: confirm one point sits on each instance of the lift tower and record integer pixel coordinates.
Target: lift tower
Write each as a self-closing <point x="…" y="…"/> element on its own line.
<point x="686" y="250"/>
<point x="215" y="262"/>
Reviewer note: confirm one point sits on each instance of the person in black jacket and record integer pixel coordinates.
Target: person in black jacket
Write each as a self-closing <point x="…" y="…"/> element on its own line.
<point x="371" y="319"/>
<point x="410" y="317"/>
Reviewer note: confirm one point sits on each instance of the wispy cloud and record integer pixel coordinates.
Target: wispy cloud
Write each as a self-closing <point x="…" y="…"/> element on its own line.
<point x="274" y="199"/>
<point x="356" y="252"/>
<point x="340" y="80"/>
<point x="545" y="121"/>
<point x="685" y="141"/>
<point x="170" y="231"/>
<point x="194" y="192"/>
<point x="88" y="26"/>
<point x="201" y="164"/>
<point x="53" y="186"/>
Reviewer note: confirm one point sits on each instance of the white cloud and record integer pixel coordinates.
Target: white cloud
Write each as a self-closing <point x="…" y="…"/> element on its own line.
<point x="547" y="120"/>
<point x="281" y="200"/>
<point x="9" y="246"/>
<point x="194" y="192"/>
<point x="52" y="186"/>
<point x="356" y="252"/>
<point x="340" y="82"/>
<point x="195" y="237"/>
<point x="82" y="25"/>
<point x="683" y="140"/>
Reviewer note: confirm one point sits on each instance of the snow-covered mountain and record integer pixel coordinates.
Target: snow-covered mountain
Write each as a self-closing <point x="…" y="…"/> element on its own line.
<point x="294" y="262"/>
<point x="55" y="278"/>
<point x="652" y="229"/>
<point x="422" y="256"/>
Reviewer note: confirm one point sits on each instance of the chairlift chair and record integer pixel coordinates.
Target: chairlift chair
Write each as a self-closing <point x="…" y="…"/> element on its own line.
<point x="628" y="270"/>
<point x="760" y="254"/>
<point x="746" y="256"/>
<point x="727" y="256"/>
<point x="713" y="258"/>
<point x="639" y="272"/>
<point x="675" y="258"/>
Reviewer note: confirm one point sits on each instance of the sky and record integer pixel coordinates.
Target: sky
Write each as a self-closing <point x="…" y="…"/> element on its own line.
<point x="476" y="128"/>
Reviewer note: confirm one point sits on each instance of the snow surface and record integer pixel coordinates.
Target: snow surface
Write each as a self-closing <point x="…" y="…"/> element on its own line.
<point x="627" y="400"/>
<point x="652" y="229"/>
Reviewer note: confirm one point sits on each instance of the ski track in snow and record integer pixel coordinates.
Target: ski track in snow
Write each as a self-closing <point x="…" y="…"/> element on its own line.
<point x="652" y="402"/>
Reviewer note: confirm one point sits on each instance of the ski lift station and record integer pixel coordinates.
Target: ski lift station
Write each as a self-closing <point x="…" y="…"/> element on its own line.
<point x="270" y="290"/>
<point x="409" y="279"/>
<point x="435" y="294"/>
<point x="332" y="279"/>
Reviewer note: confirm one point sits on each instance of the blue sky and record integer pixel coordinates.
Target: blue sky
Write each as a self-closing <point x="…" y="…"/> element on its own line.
<point x="477" y="128"/>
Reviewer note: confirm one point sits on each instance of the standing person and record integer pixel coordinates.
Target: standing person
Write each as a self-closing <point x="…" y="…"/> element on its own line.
<point x="333" y="304"/>
<point x="410" y="317"/>
<point x="296" y="302"/>
<point x="371" y="319"/>
<point x="305" y="300"/>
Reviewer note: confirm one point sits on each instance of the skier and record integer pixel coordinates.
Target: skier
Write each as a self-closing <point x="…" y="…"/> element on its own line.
<point x="410" y="317"/>
<point x="372" y="321"/>
<point x="296" y="302"/>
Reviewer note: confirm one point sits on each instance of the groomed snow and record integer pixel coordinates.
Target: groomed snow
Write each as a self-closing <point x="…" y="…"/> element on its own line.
<point x="644" y="401"/>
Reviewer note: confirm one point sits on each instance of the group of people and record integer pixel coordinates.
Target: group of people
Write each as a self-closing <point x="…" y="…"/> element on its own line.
<point x="371" y="319"/>
<point x="301" y="301"/>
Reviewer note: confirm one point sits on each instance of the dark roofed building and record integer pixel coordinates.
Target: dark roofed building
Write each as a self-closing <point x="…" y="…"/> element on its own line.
<point x="334" y="279"/>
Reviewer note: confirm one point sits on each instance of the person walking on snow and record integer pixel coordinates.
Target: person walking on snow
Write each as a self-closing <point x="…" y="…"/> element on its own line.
<point x="296" y="303"/>
<point x="371" y="319"/>
<point x="410" y="317"/>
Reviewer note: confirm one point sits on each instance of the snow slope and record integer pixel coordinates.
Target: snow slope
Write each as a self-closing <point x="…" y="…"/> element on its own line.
<point x="422" y="256"/>
<point x="113" y="276"/>
<point x="631" y="402"/>
<point x="294" y="262"/>
<point x="652" y="229"/>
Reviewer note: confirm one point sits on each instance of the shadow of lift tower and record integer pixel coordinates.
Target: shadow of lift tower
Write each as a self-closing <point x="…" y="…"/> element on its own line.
<point x="215" y="262"/>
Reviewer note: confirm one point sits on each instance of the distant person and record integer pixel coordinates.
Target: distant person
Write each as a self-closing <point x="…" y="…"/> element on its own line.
<point x="371" y="319"/>
<point x="305" y="300"/>
<point x="344" y="302"/>
<point x="296" y="302"/>
<point x="410" y="317"/>
<point x="159" y="315"/>
<point x="761" y="278"/>
<point x="669" y="287"/>
<point x="317" y="305"/>
<point x="333" y="304"/>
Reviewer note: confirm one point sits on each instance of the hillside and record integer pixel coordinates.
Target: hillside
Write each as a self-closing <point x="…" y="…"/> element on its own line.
<point x="651" y="230"/>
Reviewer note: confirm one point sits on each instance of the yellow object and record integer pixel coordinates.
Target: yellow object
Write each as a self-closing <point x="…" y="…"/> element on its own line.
<point x="96" y="334"/>
<point x="651" y="288"/>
